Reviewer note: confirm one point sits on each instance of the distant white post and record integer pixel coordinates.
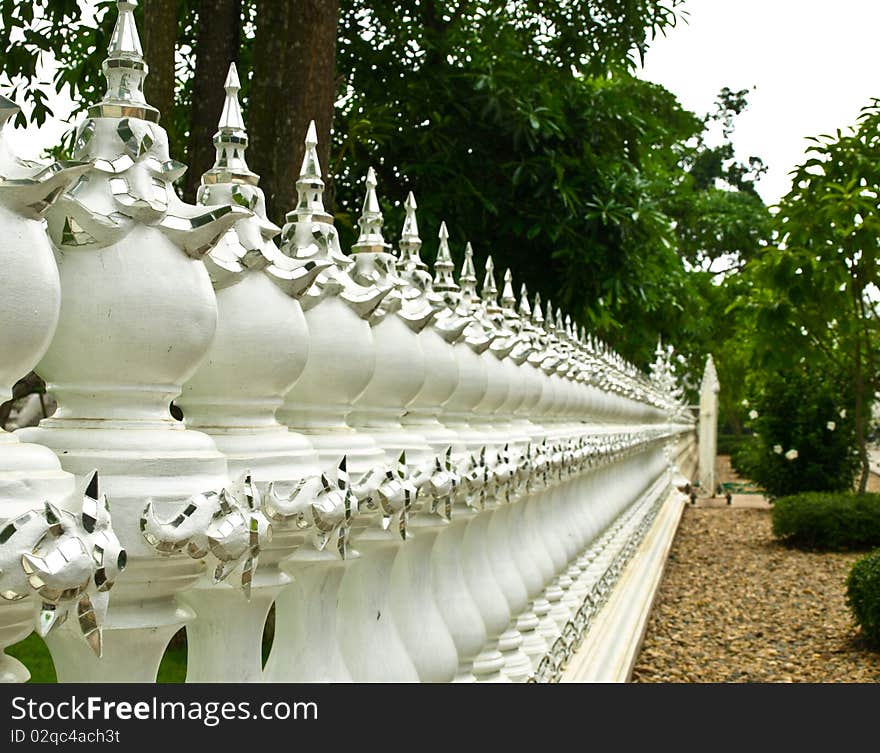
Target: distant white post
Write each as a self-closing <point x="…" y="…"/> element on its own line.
<point x="708" y="426"/>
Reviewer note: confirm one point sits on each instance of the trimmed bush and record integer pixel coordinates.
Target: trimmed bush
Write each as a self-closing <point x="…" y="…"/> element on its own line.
<point x="863" y="595"/>
<point x="828" y="521"/>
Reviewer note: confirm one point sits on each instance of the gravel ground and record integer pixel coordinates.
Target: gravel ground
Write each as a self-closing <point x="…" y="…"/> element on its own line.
<point x="735" y="606"/>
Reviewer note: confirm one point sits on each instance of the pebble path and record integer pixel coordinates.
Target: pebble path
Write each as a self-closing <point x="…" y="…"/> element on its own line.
<point x="736" y="606"/>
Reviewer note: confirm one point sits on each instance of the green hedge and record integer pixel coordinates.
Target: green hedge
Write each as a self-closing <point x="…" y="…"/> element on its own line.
<point x="831" y="521"/>
<point x="863" y="595"/>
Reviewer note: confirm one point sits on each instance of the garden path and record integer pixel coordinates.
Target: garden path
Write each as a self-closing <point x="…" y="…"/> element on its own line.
<point x="736" y="606"/>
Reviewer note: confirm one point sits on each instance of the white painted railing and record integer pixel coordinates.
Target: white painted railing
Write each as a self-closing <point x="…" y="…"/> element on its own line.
<point x="428" y="483"/>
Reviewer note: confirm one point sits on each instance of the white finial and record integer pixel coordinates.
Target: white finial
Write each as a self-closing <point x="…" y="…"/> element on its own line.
<point x="231" y="117"/>
<point x="508" y="300"/>
<point x="232" y="81"/>
<point x="125" y="71"/>
<point x="549" y="324"/>
<point x="231" y="140"/>
<point x="371" y="239"/>
<point x="309" y="186"/>
<point x="443" y="266"/>
<point x="537" y="314"/>
<point x="468" y="272"/>
<point x="490" y="290"/>
<point x="410" y="242"/>
<point x="525" y="309"/>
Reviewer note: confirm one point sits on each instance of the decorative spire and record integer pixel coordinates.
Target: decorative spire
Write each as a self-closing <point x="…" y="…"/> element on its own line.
<point x="468" y="277"/>
<point x="560" y="324"/>
<point x="525" y="310"/>
<point x="410" y="242"/>
<point x="490" y="289"/>
<point x="309" y="186"/>
<point x="537" y="315"/>
<point x="508" y="300"/>
<point x="125" y="71"/>
<point x="371" y="239"/>
<point x="443" y="280"/>
<point x="569" y="331"/>
<point x="231" y="140"/>
<point x="549" y="325"/>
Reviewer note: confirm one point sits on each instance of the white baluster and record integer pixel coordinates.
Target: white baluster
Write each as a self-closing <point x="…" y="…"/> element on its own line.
<point x="138" y="314"/>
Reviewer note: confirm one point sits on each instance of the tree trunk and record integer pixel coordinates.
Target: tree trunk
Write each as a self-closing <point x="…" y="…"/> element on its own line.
<point x="159" y="35"/>
<point x="293" y="83"/>
<point x="861" y="422"/>
<point x="219" y="34"/>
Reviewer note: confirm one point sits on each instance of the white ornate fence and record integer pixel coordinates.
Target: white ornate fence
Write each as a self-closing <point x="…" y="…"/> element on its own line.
<point x="428" y="483"/>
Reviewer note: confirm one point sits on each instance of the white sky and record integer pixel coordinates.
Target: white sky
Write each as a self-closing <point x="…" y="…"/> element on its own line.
<point x="813" y="63"/>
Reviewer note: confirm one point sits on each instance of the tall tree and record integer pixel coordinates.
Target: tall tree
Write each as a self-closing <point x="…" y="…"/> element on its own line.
<point x="159" y="36"/>
<point x="293" y="82"/>
<point x="816" y="292"/>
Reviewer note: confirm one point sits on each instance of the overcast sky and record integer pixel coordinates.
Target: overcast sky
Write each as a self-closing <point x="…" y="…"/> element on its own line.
<point x="813" y="64"/>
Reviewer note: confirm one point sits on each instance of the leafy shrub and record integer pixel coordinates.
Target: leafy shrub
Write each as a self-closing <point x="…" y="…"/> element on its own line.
<point x="803" y="434"/>
<point x="828" y="521"/>
<point x="863" y="595"/>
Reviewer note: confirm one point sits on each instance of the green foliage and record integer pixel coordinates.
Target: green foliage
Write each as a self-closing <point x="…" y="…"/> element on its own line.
<point x="828" y="521"/>
<point x="581" y="181"/>
<point x="863" y="595"/>
<point x="814" y="293"/>
<point x="803" y="411"/>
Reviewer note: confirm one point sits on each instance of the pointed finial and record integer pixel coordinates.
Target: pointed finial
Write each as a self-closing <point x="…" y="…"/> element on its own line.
<point x="231" y="140"/>
<point x="443" y="280"/>
<point x="559" y="323"/>
<point x="537" y="315"/>
<point x="468" y="272"/>
<point x="311" y="167"/>
<point x="309" y="186"/>
<point x="490" y="290"/>
<point x="125" y="71"/>
<point x="549" y="324"/>
<point x="410" y="242"/>
<point x="468" y="277"/>
<point x="525" y="309"/>
<point x="231" y="117"/>
<point x="371" y="239"/>
<point x="569" y="332"/>
<point x="508" y="300"/>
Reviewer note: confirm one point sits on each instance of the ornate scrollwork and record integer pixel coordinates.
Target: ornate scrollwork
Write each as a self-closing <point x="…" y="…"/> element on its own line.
<point x="229" y="524"/>
<point x="68" y="561"/>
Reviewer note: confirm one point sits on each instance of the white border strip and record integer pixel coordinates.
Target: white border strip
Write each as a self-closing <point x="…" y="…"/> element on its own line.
<point x="612" y="644"/>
